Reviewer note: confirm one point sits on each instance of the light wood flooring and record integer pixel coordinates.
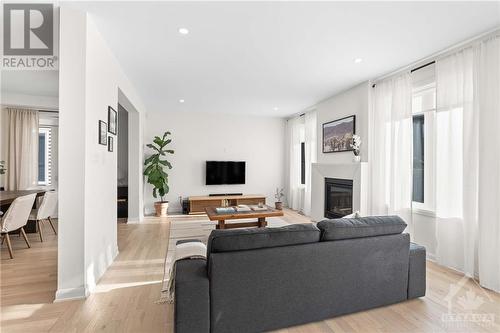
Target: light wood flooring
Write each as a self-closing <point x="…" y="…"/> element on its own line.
<point x="126" y="294"/>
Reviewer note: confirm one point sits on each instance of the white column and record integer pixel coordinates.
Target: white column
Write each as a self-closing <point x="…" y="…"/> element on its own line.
<point x="71" y="247"/>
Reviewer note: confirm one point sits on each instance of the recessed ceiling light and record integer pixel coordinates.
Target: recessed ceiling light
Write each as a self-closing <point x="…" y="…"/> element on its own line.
<point x="181" y="101"/>
<point x="275" y="108"/>
<point x="358" y="60"/>
<point x="183" y="31"/>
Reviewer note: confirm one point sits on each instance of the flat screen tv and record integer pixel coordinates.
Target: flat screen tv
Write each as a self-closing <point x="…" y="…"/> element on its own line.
<point x="225" y="172"/>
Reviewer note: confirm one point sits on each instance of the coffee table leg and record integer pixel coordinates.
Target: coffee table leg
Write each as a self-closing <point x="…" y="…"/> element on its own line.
<point x="262" y="222"/>
<point x="221" y="224"/>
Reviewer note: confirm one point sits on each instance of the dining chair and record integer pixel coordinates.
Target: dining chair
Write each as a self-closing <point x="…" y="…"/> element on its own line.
<point x="45" y="212"/>
<point x="16" y="218"/>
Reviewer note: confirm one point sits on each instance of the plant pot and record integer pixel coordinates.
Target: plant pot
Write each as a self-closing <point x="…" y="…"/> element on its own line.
<point x="161" y="208"/>
<point x="278" y="205"/>
<point x="356" y="159"/>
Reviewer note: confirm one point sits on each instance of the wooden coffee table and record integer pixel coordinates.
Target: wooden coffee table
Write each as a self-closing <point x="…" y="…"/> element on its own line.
<point x="259" y="215"/>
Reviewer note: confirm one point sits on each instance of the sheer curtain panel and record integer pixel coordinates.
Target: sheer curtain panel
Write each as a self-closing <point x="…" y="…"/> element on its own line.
<point x="295" y="132"/>
<point x="391" y="149"/>
<point x="468" y="162"/>
<point x="20" y="136"/>
<point x="488" y="104"/>
<point x="311" y="152"/>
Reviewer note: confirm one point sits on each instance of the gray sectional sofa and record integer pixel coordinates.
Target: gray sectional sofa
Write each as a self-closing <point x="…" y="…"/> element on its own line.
<point x="258" y="280"/>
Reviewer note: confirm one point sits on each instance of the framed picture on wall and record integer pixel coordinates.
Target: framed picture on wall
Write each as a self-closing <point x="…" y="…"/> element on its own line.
<point x="103" y="133"/>
<point x="112" y="120"/>
<point x="337" y="134"/>
<point x="110" y="143"/>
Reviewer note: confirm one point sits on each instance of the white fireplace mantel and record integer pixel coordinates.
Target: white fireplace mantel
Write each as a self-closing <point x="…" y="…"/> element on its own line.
<point x="358" y="172"/>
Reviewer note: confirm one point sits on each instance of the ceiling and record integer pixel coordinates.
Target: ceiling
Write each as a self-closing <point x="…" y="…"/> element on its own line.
<point x="254" y="57"/>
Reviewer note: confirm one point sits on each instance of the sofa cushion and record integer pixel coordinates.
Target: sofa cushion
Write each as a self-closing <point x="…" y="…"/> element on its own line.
<point x="370" y="226"/>
<point x="226" y="240"/>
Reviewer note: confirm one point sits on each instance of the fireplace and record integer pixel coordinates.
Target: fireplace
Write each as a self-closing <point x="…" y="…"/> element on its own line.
<point x="338" y="197"/>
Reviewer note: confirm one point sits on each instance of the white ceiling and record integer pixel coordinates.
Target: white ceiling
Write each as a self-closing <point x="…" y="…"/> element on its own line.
<point x="249" y="57"/>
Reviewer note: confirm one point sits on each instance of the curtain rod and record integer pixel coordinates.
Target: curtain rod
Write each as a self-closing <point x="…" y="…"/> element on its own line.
<point x="30" y="107"/>
<point x="415" y="69"/>
<point x="423" y="66"/>
<point x="440" y="54"/>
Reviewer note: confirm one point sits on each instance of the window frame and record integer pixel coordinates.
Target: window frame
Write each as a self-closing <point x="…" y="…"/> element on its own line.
<point x="47" y="131"/>
<point x="302" y="163"/>
<point x="428" y="206"/>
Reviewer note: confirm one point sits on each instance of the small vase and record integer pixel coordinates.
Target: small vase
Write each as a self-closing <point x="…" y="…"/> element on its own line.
<point x="356" y="158"/>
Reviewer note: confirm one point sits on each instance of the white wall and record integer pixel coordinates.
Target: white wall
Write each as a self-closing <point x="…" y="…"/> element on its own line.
<point x="424" y="232"/>
<point x="90" y="80"/>
<point x="198" y="137"/>
<point x="354" y="101"/>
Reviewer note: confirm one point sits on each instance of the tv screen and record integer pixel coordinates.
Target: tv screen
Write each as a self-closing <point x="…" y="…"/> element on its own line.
<point x="223" y="173"/>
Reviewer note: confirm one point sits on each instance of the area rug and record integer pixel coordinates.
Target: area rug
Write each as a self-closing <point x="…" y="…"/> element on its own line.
<point x="197" y="229"/>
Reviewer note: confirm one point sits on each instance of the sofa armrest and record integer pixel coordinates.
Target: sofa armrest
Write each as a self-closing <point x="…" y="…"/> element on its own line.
<point x="192" y="299"/>
<point x="416" y="271"/>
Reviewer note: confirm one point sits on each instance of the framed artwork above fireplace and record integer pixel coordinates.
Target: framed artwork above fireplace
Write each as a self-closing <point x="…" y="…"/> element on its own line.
<point x="337" y="134"/>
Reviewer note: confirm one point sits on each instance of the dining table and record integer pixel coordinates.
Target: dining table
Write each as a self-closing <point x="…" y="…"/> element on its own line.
<point x="7" y="197"/>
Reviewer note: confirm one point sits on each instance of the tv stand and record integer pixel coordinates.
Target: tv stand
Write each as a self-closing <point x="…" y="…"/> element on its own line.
<point x="198" y="204"/>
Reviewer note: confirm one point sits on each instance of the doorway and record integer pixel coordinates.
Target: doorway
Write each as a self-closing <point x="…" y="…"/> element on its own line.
<point x="122" y="165"/>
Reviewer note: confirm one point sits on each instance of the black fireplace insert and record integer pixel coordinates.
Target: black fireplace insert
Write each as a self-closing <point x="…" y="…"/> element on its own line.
<point x="338" y="197"/>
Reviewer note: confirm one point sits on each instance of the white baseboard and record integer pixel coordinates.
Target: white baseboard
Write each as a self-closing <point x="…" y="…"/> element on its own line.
<point x="71" y="294"/>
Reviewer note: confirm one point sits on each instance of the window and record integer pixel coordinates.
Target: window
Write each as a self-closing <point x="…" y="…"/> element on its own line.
<point x="44" y="156"/>
<point x="418" y="158"/>
<point x="303" y="163"/>
<point x="424" y="113"/>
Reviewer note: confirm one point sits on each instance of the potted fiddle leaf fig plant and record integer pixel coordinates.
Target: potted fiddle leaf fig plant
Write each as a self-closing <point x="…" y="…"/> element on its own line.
<point x="155" y="171"/>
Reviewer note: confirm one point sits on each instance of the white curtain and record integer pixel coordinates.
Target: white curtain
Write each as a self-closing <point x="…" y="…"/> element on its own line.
<point x="456" y="162"/>
<point x="295" y="134"/>
<point x="20" y="148"/>
<point x="311" y="151"/>
<point x="468" y="162"/>
<point x="391" y="149"/>
<point x="488" y="104"/>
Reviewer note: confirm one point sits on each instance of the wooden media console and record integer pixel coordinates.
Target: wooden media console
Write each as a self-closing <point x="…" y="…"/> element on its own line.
<point x="198" y="204"/>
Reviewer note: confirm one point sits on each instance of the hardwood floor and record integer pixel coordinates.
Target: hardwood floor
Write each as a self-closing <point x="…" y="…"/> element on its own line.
<point x="125" y="297"/>
<point x="124" y="300"/>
